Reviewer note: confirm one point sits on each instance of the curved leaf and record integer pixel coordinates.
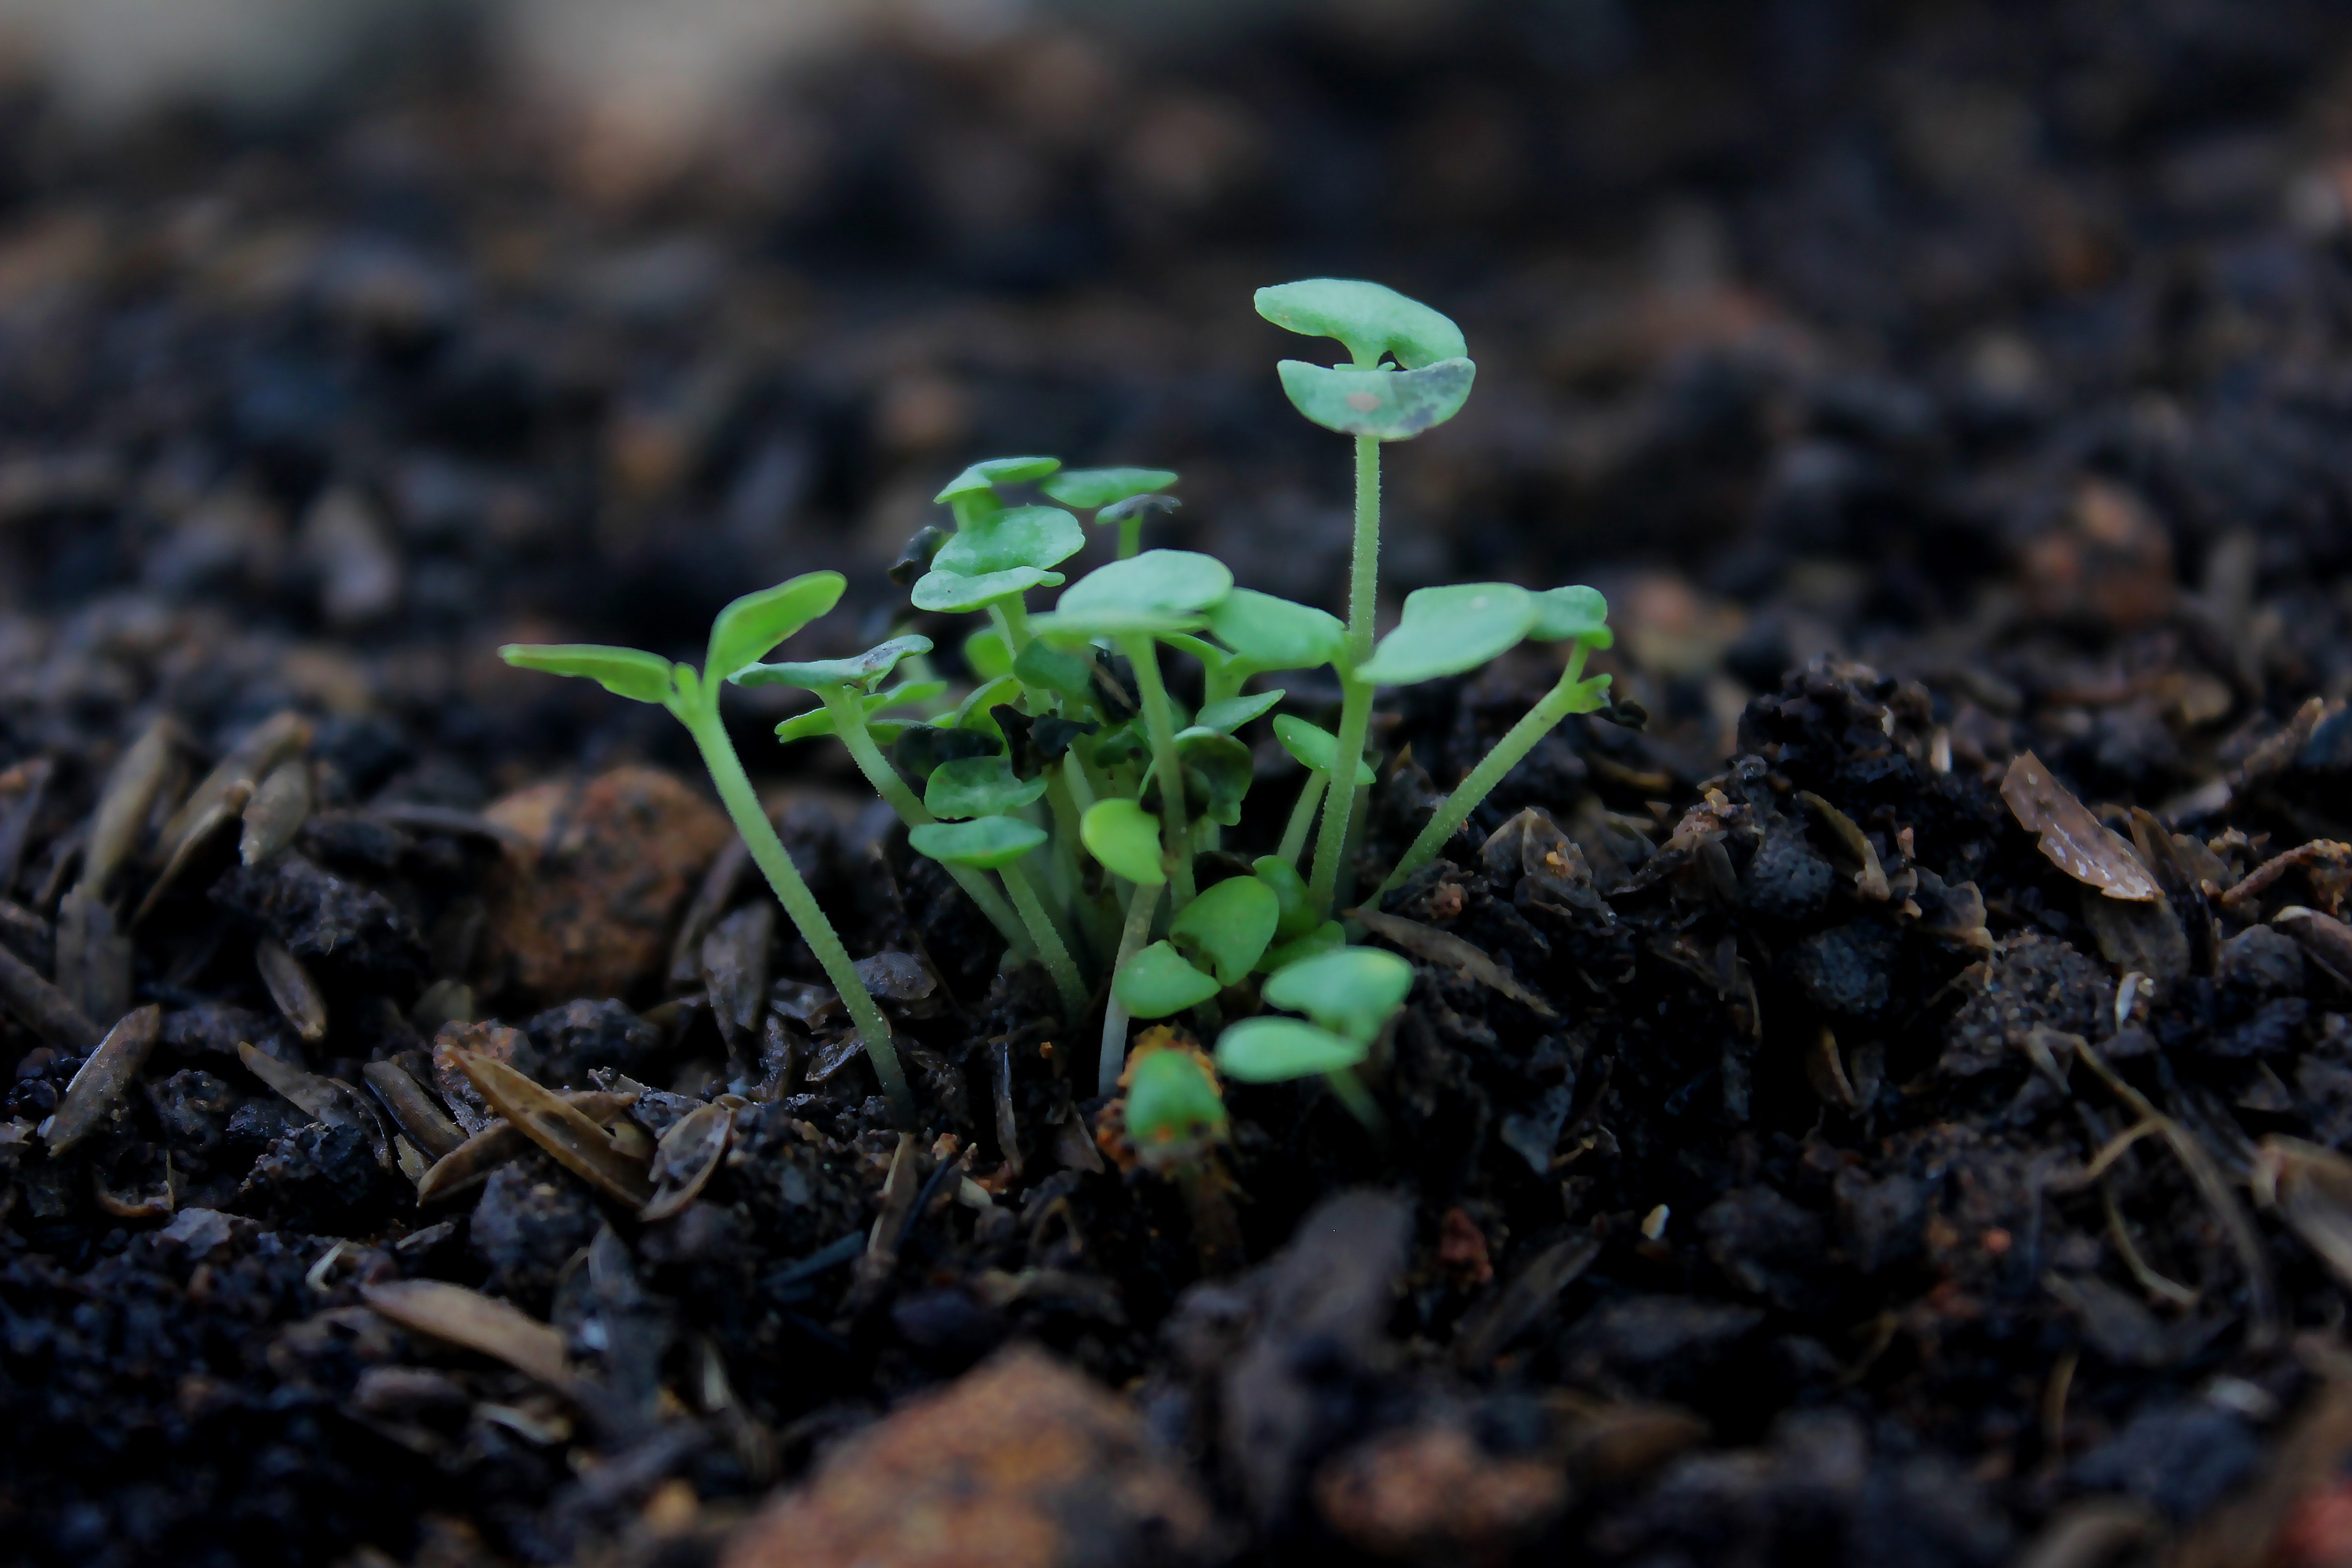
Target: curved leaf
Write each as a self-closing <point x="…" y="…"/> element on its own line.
<point x="971" y="713"/>
<point x="1087" y="488"/>
<point x="1231" y="714"/>
<point x="819" y="721"/>
<point x="1156" y="589"/>
<point x="1392" y="404"/>
<point x="816" y="675"/>
<point x="1578" y="612"/>
<point x="1037" y="536"/>
<point x="984" y="476"/>
<point x="1373" y="319"/>
<point x="1217" y="771"/>
<point x="1349" y="990"/>
<point x="1446" y="631"/>
<point x="758" y="622"/>
<point x="952" y="592"/>
<point x="1066" y="675"/>
<point x="1296" y="916"/>
<point x="1314" y="748"/>
<point x="623" y="671"/>
<point x="1172" y="1100"/>
<point x="978" y="786"/>
<point x="1157" y="982"/>
<point x="1126" y="838"/>
<point x="1269" y="1051"/>
<point x="1228" y="927"/>
<point x="985" y="842"/>
<point x="1269" y="633"/>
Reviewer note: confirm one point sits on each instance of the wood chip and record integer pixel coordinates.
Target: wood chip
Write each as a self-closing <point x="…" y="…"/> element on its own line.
<point x="735" y="974"/>
<point x="249" y="762"/>
<point x="42" y="1007"/>
<point x="417" y="1111"/>
<point x="1870" y="879"/>
<point x="124" y="803"/>
<point x="471" y="1161"/>
<point x="321" y="1098"/>
<point x="2278" y="866"/>
<point x="194" y="840"/>
<point x="290" y="986"/>
<point x="477" y="1322"/>
<point x="711" y="900"/>
<point x="2326" y="939"/>
<point x="1447" y="950"/>
<point x="573" y="1139"/>
<point x="2309" y="1187"/>
<point x="685" y="1157"/>
<point x="2073" y="839"/>
<point x="1489" y="1326"/>
<point x="102" y="1079"/>
<point x="22" y="788"/>
<point x="2144" y="937"/>
<point x="93" y="963"/>
<point x="277" y="812"/>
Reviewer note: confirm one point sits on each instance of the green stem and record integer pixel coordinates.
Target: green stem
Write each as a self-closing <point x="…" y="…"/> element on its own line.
<point x="1160" y="721"/>
<point x="1302" y="816"/>
<point x="700" y="713"/>
<point x="1364" y="562"/>
<point x="849" y="724"/>
<point x="1015" y="614"/>
<point x="1131" y="938"/>
<point x="1130" y="534"/>
<point x="1049" y="943"/>
<point x="1349" y="1090"/>
<point x="1339" y="799"/>
<point x="1561" y="700"/>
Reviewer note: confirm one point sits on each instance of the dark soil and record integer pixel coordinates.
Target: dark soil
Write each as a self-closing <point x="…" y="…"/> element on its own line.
<point x="1925" y="385"/>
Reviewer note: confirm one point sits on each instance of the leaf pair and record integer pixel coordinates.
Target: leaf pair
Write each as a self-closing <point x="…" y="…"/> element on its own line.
<point x="1377" y="324"/>
<point x="1350" y="992"/>
<point x="997" y="555"/>
<point x="1151" y="594"/>
<point x="742" y="632"/>
<point x="1452" y="630"/>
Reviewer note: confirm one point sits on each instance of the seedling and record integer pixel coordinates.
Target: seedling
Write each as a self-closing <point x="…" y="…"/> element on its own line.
<point x="1174" y="1119"/>
<point x="1350" y="994"/>
<point x="743" y="631"/>
<point x="1065" y="788"/>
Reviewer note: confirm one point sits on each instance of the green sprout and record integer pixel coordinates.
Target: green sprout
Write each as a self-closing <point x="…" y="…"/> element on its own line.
<point x="742" y="632"/>
<point x="1120" y="497"/>
<point x="1350" y="994"/>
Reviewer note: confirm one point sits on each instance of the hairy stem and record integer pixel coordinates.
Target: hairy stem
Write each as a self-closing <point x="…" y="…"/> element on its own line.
<point x="1131" y="938"/>
<point x="1339" y="799"/>
<point x="1048" y="935"/>
<point x="1302" y="816"/>
<point x="701" y="713"/>
<point x="1364" y="562"/>
<point x="1160" y="721"/>
<point x="849" y="723"/>
<point x="1565" y="698"/>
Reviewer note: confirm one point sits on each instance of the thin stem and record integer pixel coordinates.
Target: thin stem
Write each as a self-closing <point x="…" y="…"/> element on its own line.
<point x="1131" y="938"/>
<point x="1160" y="721"/>
<point x="1349" y="1090"/>
<point x="1016" y="623"/>
<point x="1058" y="962"/>
<point x="1539" y="720"/>
<point x="1130" y="534"/>
<point x="849" y="724"/>
<point x="1364" y="562"/>
<point x="1340" y="800"/>
<point x="700" y="713"/>
<point x="1302" y="816"/>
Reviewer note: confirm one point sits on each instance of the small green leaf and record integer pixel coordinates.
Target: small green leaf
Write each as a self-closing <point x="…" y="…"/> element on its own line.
<point x="1315" y="748"/>
<point x="1217" y="771"/>
<point x="1348" y="990"/>
<point x="1578" y="612"/>
<point x="986" y="842"/>
<point x="1446" y="631"/>
<point x="1039" y="536"/>
<point x="1373" y="319"/>
<point x="1087" y="488"/>
<point x="1126" y="838"/>
<point x="860" y="670"/>
<point x="1267" y="633"/>
<point x="1391" y="405"/>
<point x="971" y="713"/>
<point x="984" y="476"/>
<point x="1172" y="1101"/>
<point x="985" y="655"/>
<point x="1592" y="695"/>
<point x="623" y="671"/>
<point x="1230" y="714"/>
<point x="806" y="726"/>
<point x="1297" y="910"/>
<point x="921" y="750"/>
<point x="1159" y="590"/>
<point x="979" y="786"/>
<point x="1269" y="1051"/>
<point x="1324" y="938"/>
<point x="1228" y="926"/>
<point x="757" y="622"/>
<point x="1156" y="981"/>
<point x="1048" y="668"/>
<point x="904" y="692"/>
<point x="951" y="593"/>
<point x="819" y="721"/>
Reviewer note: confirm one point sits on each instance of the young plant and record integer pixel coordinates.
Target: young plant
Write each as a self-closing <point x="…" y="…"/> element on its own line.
<point x="742" y="632"/>
<point x="1117" y="497"/>
<point x="1174" y="1119"/>
<point x="1350" y="994"/>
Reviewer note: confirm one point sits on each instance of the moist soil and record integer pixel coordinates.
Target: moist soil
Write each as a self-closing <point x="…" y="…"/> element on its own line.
<point x="1789" y="1159"/>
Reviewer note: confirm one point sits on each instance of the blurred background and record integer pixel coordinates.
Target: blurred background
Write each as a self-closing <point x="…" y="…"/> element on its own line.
<point x="343" y="340"/>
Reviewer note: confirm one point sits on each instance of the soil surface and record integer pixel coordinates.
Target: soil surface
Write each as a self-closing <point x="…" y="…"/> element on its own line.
<point x="1873" y="1101"/>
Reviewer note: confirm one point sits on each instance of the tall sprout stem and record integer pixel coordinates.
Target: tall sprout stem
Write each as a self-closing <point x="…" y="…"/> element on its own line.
<point x="1159" y="722"/>
<point x="701" y="713"/>
<point x="1130" y="534"/>
<point x="1302" y="817"/>
<point x="849" y="723"/>
<point x="1131" y="938"/>
<point x="1565" y="696"/>
<point x="1355" y="702"/>
<point x="1048" y="936"/>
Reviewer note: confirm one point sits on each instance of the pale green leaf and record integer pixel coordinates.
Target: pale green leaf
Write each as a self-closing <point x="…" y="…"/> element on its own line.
<point x="1389" y="405"/>
<point x="978" y="786"/>
<point x="817" y="675"/>
<point x="1217" y="772"/>
<point x="1228" y="926"/>
<point x="1087" y="488"/>
<point x="984" y="476"/>
<point x="986" y="842"/>
<point x="1314" y="747"/>
<point x="1296" y="916"/>
<point x="1126" y="838"/>
<point x="1157" y="982"/>
<point x="1231" y="714"/>
<point x="1349" y="990"/>
<point x="1269" y="633"/>
<point x="1156" y="590"/>
<point x="1039" y="536"/>
<point x="1578" y="612"/>
<point x="757" y="622"/>
<point x="1373" y="320"/>
<point x="623" y="671"/>
<point x="985" y="655"/>
<point x="1171" y="1100"/>
<point x="1271" y="1050"/>
<point x="951" y="593"/>
<point x="1446" y="631"/>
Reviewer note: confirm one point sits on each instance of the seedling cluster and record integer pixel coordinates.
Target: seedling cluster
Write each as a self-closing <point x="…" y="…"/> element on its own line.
<point x="1072" y="795"/>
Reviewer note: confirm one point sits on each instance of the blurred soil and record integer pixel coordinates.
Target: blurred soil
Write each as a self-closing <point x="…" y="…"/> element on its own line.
<point x="1882" y="1110"/>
